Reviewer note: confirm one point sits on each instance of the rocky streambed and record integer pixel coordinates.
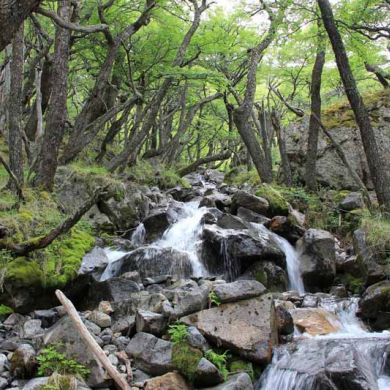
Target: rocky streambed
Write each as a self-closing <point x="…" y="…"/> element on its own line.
<point x="233" y="269"/>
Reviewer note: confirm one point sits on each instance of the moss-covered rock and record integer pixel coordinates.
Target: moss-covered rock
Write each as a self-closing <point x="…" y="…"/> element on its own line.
<point x="239" y="365"/>
<point x="186" y="359"/>
<point x="277" y="204"/>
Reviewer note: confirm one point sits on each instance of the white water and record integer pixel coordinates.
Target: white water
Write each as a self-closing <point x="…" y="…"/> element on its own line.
<point x="292" y="258"/>
<point x="138" y="237"/>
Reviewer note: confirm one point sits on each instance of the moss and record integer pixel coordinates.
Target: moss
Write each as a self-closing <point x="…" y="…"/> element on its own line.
<point x="23" y="272"/>
<point x="261" y="276"/>
<point x="352" y="283"/>
<point x="186" y="359"/>
<point x="5" y="310"/>
<point x="278" y="205"/>
<point x="241" y="176"/>
<point x="237" y="366"/>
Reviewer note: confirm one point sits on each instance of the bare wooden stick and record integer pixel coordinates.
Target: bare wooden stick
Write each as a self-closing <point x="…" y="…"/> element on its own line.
<point x="14" y="179"/>
<point x="91" y="343"/>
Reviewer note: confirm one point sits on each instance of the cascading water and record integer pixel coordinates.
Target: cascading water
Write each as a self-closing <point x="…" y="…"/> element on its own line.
<point x="292" y="258"/>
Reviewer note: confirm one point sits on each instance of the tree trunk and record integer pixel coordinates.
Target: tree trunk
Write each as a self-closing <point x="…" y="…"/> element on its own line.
<point x="315" y="94"/>
<point x="57" y="113"/>
<point x="15" y="142"/>
<point x="378" y="170"/>
<point x="12" y="14"/>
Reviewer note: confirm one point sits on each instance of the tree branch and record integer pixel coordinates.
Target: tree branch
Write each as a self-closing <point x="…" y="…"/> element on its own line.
<point x="204" y="160"/>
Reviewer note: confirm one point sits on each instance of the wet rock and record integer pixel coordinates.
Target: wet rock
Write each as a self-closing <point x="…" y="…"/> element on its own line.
<point x="227" y="221"/>
<point x="285" y="321"/>
<point x="375" y="305"/>
<point x="156" y="223"/>
<point x="149" y="322"/>
<point x="94" y="261"/>
<point x="151" y="354"/>
<point x="339" y="291"/>
<point x="216" y="200"/>
<point x="23" y="363"/>
<point x="353" y="201"/>
<point x="223" y="326"/>
<point x="239" y="290"/>
<point x="250" y="216"/>
<point x="169" y="381"/>
<point x="240" y="381"/>
<point x="310" y="301"/>
<point x="285" y="227"/>
<point x="250" y="202"/>
<point x="318" y="259"/>
<point x="315" y="321"/>
<point x="207" y="374"/>
<point x="232" y="252"/>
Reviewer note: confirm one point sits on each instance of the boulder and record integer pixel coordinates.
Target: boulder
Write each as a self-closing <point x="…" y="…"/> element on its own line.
<point x="228" y="221"/>
<point x="250" y="202"/>
<point x="149" y="322"/>
<point x="94" y="261"/>
<point x="315" y="321"/>
<point x="240" y="381"/>
<point x="151" y="354"/>
<point x="284" y="320"/>
<point x="156" y="223"/>
<point x="48" y="317"/>
<point x="223" y="326"/>
<point x="196" y="340"/>
<point x="99" y="318"/>
<point x="232" y="252"/>
<point x="251" y="216"/>
<point x="23" y="363"/>
<point x="318" y="259"/>
<point x="152" y="262"/>
<point x="214" y="176"/>
<point x="170" y="381"/>
<point x="216" y="200"/>
<point x="32" y="329"/>
<point x="374" y="305"/>
<point x="207" y="374"/>
<point x="353" y="201"/>
<point x="239" y="290"/>
<point x="285" y="227"/>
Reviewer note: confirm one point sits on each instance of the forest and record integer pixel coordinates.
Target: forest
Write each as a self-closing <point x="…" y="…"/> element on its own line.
<point x="204" y="186"/>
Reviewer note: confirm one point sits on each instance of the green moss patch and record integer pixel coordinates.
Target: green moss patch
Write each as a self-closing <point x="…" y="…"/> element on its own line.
<point x="186" y="359"/>
<point x="278" y="205"/>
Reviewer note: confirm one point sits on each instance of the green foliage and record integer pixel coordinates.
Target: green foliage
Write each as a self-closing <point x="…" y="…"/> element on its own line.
<point x="239" y="177"/>
<point x="5" y="310"/>
<point x="237" y="366"/>
<point x="219" y="360"/>
<point x="51" y="361"/>
<point x="186" y="359"/>
<point x="352" y="283"/>
<point x="377" y="230"/>
<point x="277" y="204"/>
<point x="214" y="299"/>
<point x="60" y="382"/>
<point x="178" y="332"/>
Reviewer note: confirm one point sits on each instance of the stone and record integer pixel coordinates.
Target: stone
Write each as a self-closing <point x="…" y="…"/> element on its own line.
<point x="250" y="216"/>
<point x="310" y="301"/>
<point x="32" y="329"/>
<point x="227" y="221"/>
<point x="214" y="176"/>
<point x="196" y="340"/>
<point x="315" y="321"/>
<point x="240" y="381"/>
<point x="285" y="227"/>
<point x="94" y="261"/>
<point x="169" y="381"/>
<point x="155" y="224"/>
<point x="250" y="202"/>
<point x="284" y="320"/>
<point x="23" y="363"/>
<point x="105" y="307"/>
<point x="3" y="383"/>
<point x="375" y="305"/>
<point x="216" y="200"/>
<point x="207" y="374"/>
<point x="151" y="354"/>
<point x="3" y="362"/>
<point x="339" y="291"/>
<point x="239" y="290"/>
<point x="99" y="318"/>
<point x="223" y="326"/>
<point x="353" y="201"/>
<point x="125" y="325"/>
<point x="47" y="317"/>
<point x="149" y="322"/>
<point x="318" y="259"/>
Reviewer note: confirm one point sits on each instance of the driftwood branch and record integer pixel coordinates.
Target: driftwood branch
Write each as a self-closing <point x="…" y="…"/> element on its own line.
<point x="22" y="249"/>
<point x="91" y="343"/>
<point x="344" y="159"/>
<point x="192" y="167"/>
<point x="14" y="179"/>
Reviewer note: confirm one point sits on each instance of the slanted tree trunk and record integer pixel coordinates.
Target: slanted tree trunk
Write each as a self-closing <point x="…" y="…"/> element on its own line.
<point x="12" y="14"/>
<point x="15" y="142"/>
<point x="315" y="94"/>
<point x="57" y="113"/>
<point x="382" y="76"/>
<point x="378" y="170"/>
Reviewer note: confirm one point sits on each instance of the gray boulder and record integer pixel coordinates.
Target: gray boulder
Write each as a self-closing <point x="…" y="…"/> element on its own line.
<point x="149" y="322"/>
<point x="228" y="221"/>
<point x="151" y="354"/>
<point x="250" y="202"/>
<point x="250" y="216"/>
<point x="239" y="290"/>
<point x="353" y="201"/>
<point x="156" y="223"/>
<point x="240" y="381"/>
<point x="94" y="261"/>
<point x="207" y="374"/>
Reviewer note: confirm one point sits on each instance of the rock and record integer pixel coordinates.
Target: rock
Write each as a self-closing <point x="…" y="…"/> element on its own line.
<point x="227" y="221"/>
<point x="239" y="290"/>
<point x="214" y="176"/>
<point x="196" y="340"/>
<point x="125" y="325"/>
<point x="3" y="363"/>
<point x="285" y="321"/>
<point x="368" y="261"/>
<point x="318" y="259"/>
<point x="374" y="305"/>
<point x="250" y="202"/>
<point x="216" y="200"/>
<point x="151" y="354"/>
<point x="223" y="326"/>
<point x="353" y="201"/>
<point x="47" y="317"/>
<point x="250" y="216"/>
<point x="315" y="321"/>
<point x="285" y="227"/>
<point x="207" y="374"/>
<point x="94" y="261"/>
<point x="64" y="334"/>
<point x="3" y="383"/>
<point x="170" y="381"/>
<point x="269" y="274"/>
<point x="156" y="223"/>
<point x="32" y="329"/>
<point x="101" y="319"/>
<point x="310" y="301"/>
<point x="240" y="381"/>
<point x="149" y="322"/>
<point x="152" y="262"/>
<point x="232" y="252"/>
<point x="339" y="291"/>
<point x="23" y="364"/>
<point x="105" y="307"/>
<point x="47" y="382"/>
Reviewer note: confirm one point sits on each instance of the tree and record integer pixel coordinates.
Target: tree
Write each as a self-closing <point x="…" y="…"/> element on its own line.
<point x="377" y="167"/>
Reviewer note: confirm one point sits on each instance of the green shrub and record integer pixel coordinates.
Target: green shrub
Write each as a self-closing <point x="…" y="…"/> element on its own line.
<point x="219" y="360"/>
<point x="51" y="361"/>
<point x="214" y="299"/>
<point x="178" y="333"/>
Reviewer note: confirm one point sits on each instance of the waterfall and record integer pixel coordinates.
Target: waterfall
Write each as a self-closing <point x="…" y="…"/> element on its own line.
<point x="138" y="237"/>
<point x="292" y="258"/>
